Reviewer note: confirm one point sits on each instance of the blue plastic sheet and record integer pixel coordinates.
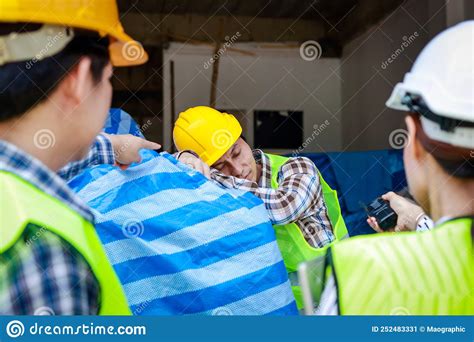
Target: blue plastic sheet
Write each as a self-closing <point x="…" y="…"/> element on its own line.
<point x="120" y="122"/>
<point x="182" y="245"/>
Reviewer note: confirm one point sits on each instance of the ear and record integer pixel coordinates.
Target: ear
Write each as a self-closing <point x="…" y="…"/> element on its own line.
<point x="414" y="147"/>
<point x="78" y="82"/>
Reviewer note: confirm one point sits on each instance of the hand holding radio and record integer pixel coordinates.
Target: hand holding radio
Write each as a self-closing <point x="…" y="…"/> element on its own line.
<point x="394" y="212"/>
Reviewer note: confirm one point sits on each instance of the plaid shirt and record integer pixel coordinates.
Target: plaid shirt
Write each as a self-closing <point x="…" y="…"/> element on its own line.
<point x="101" y="152"/>
<point x="41" y="273"/>
<point x="297" y="199"/>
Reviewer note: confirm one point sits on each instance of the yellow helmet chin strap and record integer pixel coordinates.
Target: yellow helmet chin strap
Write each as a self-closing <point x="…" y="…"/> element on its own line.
<point x="48" y="41"/>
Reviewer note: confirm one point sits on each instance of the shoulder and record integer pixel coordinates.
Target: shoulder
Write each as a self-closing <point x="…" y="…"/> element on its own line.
<point x="299" y="165"/>
<point x="42" y="260"/>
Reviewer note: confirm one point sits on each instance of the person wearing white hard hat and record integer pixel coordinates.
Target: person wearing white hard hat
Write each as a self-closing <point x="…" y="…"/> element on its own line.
<point x="429" y="273"/>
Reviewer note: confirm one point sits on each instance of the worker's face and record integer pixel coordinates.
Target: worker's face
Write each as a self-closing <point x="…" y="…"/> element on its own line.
<point x="91" y="110"/>
<point x="417" y="166"/>
<point x="238" y="162"/>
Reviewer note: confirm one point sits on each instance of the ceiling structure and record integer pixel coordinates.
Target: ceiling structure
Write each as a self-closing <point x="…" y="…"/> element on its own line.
<point x="155" y="23"/>
<point x="330" y="22"/>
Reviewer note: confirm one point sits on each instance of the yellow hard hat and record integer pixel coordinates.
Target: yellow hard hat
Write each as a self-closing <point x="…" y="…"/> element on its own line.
<point x="207" y="132"/>
<point x="94" y="15"/>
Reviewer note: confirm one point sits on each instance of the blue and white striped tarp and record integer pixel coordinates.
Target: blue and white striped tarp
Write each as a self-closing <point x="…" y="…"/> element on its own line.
<point x="120" y="122"/>
<point x="182" y="245"/>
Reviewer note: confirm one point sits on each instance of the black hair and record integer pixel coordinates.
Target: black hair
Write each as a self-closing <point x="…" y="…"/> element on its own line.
<point x="459" y="169"/>
<point x="456" y="161"/>
<point x="25" y="84"/>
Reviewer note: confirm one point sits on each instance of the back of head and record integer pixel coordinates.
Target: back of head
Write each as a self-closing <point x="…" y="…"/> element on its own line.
<point x="439" y="94"/>
<point x="27" y="83"/>
<point x="42" y="40"/>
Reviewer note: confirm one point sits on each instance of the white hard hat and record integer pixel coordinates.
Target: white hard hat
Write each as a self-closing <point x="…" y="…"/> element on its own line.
<point x="440" y="86"/>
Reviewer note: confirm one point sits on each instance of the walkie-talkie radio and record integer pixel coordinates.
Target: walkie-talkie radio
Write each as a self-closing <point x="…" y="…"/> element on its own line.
<point x="383" y="213"/>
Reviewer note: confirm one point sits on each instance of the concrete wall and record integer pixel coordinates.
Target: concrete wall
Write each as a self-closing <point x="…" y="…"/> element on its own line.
<point x="469" y="9"/>
<point x="459" y="10"/>
<point x="373" y="63"/>
<point x="265" y="77"/>
<point x="349" y="92"/>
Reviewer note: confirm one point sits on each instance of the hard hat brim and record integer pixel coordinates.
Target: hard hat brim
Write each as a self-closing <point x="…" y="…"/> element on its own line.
<point x="127" y="53"/>
<point x="120" y="42"/>
<point x="433" y="94"/>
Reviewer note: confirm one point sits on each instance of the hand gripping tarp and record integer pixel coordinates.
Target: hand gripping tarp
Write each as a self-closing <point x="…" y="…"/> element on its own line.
<point x="182" y="245"/>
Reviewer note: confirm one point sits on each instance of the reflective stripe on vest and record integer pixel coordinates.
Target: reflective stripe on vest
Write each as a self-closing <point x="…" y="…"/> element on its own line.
<point x="22" y="204"/>
<point x="293" y="246"/>
<point x="430" y="273"/>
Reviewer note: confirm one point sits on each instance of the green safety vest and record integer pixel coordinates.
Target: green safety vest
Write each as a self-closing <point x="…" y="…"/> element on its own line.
<point x="430" y="273"/>
<point x="293" y="246"/>
<point x="22" y="204"/>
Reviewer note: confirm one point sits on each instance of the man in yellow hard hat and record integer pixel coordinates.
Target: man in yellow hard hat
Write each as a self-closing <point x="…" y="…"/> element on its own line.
<point x="56" y="62"/>
<point x="303" y="208"/>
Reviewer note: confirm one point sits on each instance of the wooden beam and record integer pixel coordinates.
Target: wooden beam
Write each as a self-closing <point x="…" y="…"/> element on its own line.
<point x="156" y="29"/>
